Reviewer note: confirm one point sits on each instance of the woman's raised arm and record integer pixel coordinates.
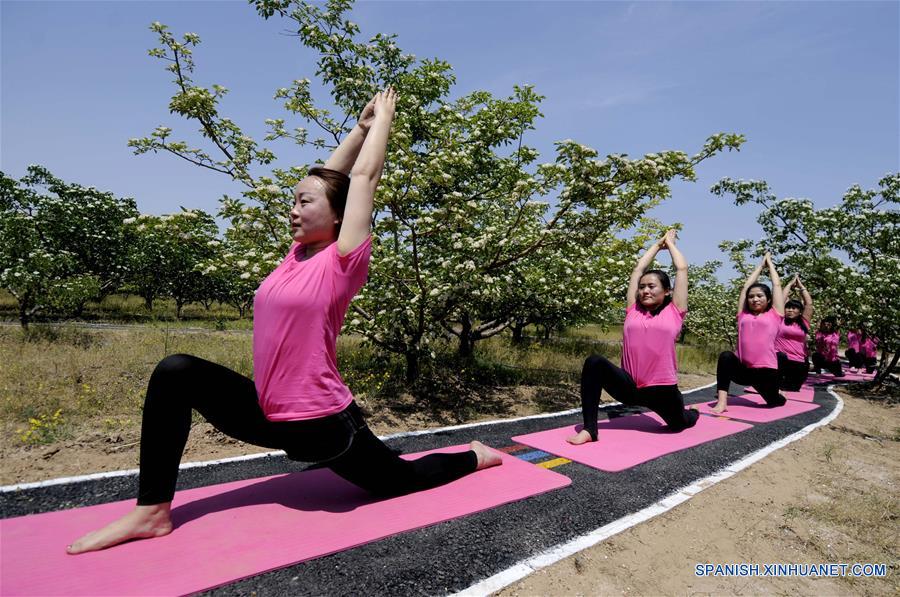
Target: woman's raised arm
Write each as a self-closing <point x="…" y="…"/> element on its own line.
<point x="365" y="174"/>
<point x="777" y="293"/>
<point x="343" y="158"/>
<point x="680" y="293"/>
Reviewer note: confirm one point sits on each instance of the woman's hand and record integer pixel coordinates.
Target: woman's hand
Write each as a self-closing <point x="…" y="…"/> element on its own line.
<point x="385" y="104"/>
<point x="668" y="238"/>
<point x="367" y="116"/>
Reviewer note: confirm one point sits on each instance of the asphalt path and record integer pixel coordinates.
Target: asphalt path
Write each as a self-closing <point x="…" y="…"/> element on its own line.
<point x="456" y="554"/>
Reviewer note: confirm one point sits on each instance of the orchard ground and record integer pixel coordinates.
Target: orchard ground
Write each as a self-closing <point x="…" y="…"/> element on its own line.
<point x="71" y="405"/>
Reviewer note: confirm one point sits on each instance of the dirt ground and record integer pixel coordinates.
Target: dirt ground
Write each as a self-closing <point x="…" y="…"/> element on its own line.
<point x="831" y="497"/>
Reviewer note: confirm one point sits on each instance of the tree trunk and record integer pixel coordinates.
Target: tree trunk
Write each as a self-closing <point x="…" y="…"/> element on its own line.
<point x="518" y="331"/>
<point x="883" y="371"/>
<point x="412" y="366"/>
<point x="23" y="315"/>
<point x="465" y="337"/>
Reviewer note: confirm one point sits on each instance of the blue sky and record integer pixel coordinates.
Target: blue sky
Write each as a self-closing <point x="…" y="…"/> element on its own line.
<point x="815" y="87"/>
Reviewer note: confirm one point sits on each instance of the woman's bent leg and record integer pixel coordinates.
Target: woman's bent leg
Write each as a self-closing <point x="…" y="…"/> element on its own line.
<point x="180" y="383"/>
<point x="791" y="374"/>
<point x="600" y="374"/>
<point x="728" y="369"/>
<point x="854" y="358"/>
<point x="668" y="403"/>
<point x="371" y="465"/>
<point x="765" y="381"/>
<point x="836" y="368"/>
<point x="871" y="364"/>
<point x="818" y="362"/>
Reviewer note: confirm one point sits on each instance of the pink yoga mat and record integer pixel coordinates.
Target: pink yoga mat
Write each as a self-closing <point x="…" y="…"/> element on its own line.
<point x="804" y="394"/>
<point x="627" y="441"/>
<point x="230" y="531"/>
<point x="829" y="378"/>
<point x="752" y="407"/>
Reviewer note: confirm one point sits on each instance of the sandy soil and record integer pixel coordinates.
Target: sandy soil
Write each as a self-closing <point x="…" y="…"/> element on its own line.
<point x="831" y="497"/>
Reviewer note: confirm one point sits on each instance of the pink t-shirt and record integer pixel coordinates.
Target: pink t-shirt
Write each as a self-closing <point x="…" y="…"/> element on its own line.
<point x="853" y="340"/>
<point x="648" y="345"/>
<point x="756" y="338"/>
<point x="297" y="314"/>
<point x="827" y="345"/>
<point x="791" y="340"/>
<point x="867" y="347"/>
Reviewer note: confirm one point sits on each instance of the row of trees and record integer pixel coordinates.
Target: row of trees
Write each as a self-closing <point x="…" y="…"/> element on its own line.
<point x="62" y="245"/>
<point x="472" y="235"/>
<point x="848" y="256"/>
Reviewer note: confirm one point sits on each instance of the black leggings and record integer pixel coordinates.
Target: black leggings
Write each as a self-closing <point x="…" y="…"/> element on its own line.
<point x="764" y="380"/>
<point x="858" y="360"/>
<point x="599" y="374"/>
<point x="833" y="367"/>
<point x="228" y="400"/>
<point x="791" y="374"/>
<point x="855" y="358"/>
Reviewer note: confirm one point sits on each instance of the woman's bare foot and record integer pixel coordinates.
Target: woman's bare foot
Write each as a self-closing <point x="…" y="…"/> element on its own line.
<point x="721" y="406"/>
<point x="143" y="522"/>
<point x="486" y="457"/>
<point x="582" y="437"/>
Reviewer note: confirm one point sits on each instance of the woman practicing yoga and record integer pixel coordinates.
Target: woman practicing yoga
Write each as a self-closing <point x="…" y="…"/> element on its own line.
<point x="297" y="401"/>
<point x="790" y="343"/>
<point x="649" y="375"/>
<point x="827" y="341"/>
<point x="861" y="351"/>
<point x="853" y="354"/>
<point x="868" y="347"/>
<point x="760" y="314"/>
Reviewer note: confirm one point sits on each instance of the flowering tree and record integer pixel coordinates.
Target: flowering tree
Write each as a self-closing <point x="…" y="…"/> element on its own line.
<point x="466" y="217"/>
<point x="711" y="304"/>
<point x="168" y="254"/>
<point x="848" y="255"/>
<point x="61" y="244"/>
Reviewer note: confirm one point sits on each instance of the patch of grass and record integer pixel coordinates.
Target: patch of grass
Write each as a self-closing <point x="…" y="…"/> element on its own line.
<point x="65" y="334"/>
<point x="44" y="429"/>
<point x="856" y="524"/>
<point x="827" y="451"/>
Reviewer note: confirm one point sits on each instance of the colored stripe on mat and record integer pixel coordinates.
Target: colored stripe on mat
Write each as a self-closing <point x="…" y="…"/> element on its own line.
<point x="234" y="530"/>
<point x="533" y="455"/>
<point x="554" y="463"/>
<point x="624" y="442"/>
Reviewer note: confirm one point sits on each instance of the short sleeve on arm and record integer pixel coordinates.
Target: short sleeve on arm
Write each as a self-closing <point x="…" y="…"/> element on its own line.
<point x="352" y="270"/>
